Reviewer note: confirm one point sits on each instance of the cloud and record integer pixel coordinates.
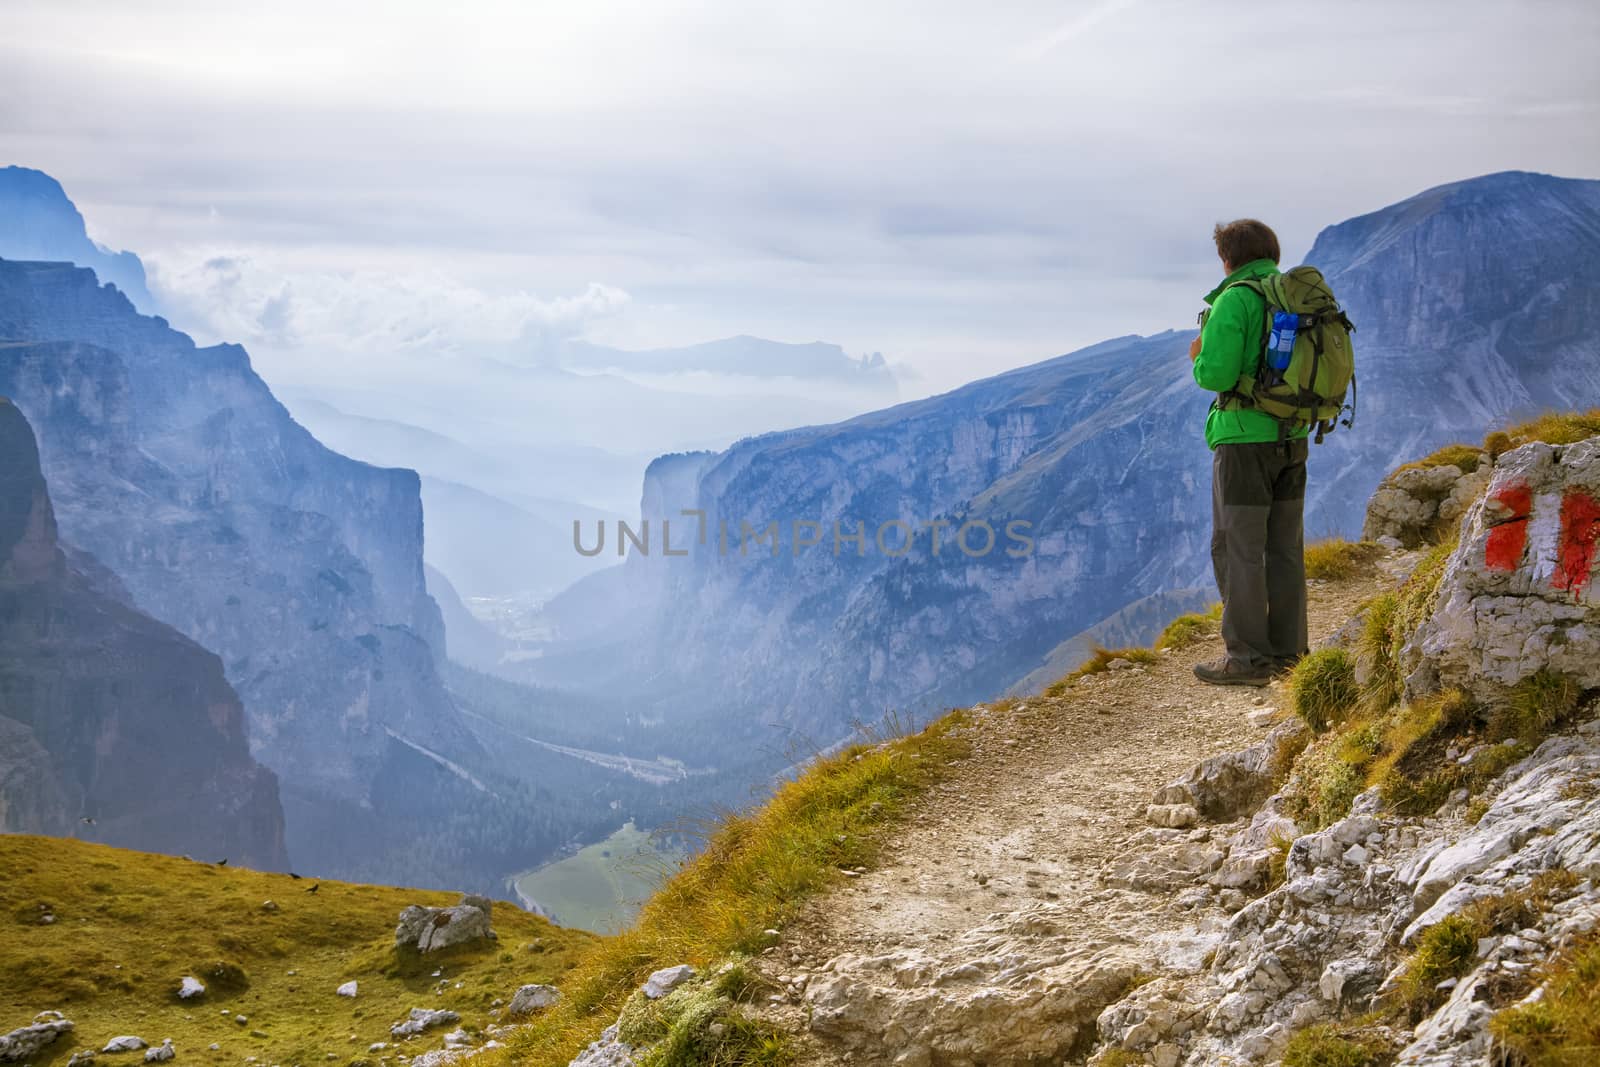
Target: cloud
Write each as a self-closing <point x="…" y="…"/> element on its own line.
<point x="1074" y="28"/>
<point x="250" y="299"/>
<point x="961" y="190"/>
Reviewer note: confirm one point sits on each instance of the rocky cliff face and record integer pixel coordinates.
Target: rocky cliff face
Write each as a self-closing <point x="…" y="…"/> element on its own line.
<point x="176" y="468"/>
<point x="113" y="727"/>
<point x="1472" y="301"/>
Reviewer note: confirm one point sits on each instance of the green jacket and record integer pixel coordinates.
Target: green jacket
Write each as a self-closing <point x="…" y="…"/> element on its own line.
<point x="1230" y="343"/>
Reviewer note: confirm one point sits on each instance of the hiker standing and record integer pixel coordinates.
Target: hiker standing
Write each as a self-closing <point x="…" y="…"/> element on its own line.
<point x="1257" y="430"/>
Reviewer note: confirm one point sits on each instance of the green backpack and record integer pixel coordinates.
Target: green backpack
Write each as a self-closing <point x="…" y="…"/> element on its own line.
<point x="1311" y="390"/>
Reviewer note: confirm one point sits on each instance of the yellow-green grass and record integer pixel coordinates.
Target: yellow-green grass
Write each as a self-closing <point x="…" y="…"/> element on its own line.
<point x="130" y="925"/>
<point x="754" y="874"/>
<point x="1449" y="948"/>
<point x="1185" y="630"/>
<point x="1554" y="427"/>
<point x="601" y="887"/>
<point x="1536" y="705"/>
<point x="1331" y="1045"/>
<point x="1465" y="457"/>
<point x="701" y="1024"/>
<point x="1389" y="622"/>
<point x="1117" y="1057"/>
<point x="1411" y="769"/>
<point x="1443" y="951"/>
<point x="1404" y="752"/>
<point x="1561" y="1029"/>
<point x="1334" y="558"/>
<point x="1099" y="662"/>
<point x="1322" y="688"/>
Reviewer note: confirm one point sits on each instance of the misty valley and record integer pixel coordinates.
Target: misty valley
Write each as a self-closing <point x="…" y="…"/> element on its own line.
<point x="443" y="684"/>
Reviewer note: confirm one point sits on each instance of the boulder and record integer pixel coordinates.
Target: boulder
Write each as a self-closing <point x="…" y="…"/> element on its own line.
<point x="532" y="998"/>
<point x="993" y="997"/>
<point x="1519" y="594"/>
<point x="1172" y="816"/>
<point x="1348" y="985"/>
<point x="430" y="929"/>
<point x="609" y="1051"/>
<point x="666" y="980"/>
<point x="1412" y="505"/>
<point x="1225" y="787"/>
<point x="125" y="1043"/>
<point x="25" y="1042"/>
<point x="422" y="1019"/>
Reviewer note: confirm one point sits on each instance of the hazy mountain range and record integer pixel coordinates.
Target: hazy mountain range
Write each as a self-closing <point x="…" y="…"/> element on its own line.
<point x="175" y="472"/>
<point x="1473" y="302"/>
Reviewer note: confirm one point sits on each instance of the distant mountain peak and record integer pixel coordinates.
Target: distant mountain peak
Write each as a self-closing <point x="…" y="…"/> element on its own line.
<point x="38" y="221"/>
<point x="1506" y="207"/>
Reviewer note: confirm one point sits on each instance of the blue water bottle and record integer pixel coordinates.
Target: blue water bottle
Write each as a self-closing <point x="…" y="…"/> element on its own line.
<point x="1284" y="326"/>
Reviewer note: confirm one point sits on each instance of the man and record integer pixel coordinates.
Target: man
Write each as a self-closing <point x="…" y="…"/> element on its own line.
<point x="1258" y="476"/>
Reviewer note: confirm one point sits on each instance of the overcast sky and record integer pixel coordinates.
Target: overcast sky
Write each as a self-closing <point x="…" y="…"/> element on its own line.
<point x="965" y="187"/>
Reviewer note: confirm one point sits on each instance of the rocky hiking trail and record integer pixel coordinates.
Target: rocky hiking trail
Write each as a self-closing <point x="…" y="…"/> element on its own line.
<point x="1029" y="866"/>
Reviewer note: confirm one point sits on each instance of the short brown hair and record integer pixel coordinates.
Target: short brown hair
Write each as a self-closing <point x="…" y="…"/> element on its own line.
<point x="1243" y="240"/>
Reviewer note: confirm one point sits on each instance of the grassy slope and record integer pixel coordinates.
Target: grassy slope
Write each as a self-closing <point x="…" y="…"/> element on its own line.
<point x="129" y="925"/>
<point x="753" y="874"/>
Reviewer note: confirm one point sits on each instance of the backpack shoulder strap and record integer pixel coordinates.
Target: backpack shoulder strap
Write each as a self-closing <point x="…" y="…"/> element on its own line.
<point x="1239" y="395"/>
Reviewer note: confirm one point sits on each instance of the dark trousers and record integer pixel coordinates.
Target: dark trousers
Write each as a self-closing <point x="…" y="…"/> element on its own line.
<point x="1258" y="496"/>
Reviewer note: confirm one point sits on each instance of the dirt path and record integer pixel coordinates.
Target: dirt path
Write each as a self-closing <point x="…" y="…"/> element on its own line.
<point x="1050" y="801"/>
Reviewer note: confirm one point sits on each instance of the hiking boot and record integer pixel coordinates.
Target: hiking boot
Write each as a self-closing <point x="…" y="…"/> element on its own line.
<point x="1231" y="672"/>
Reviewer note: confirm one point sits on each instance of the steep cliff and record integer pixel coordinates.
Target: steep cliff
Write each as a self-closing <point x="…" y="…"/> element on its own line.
<point x="176" y="468"/>
<point x="113" y="727"/>
<point x="1473" y="301"/>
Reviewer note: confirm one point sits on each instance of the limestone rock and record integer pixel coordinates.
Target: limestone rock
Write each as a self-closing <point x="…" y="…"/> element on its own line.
<point x="1173" y="816"/>
<point x="190" y="988"/>
<point x="1250" y="851"/>
<point x="1539" y="820"/>
<point x="532" y="998"/>
<point x="24" y="1042"/>
<point x="1349" y="984"/>
<point x="422" y="1019"/>
<point x="606" y="1052"/>
<point x="1519" y="593"/>
<point x="347" y="990"/>
<point x="429" y="929"/>
<point x="1227" y="786"/>
<point x="125" y="1043"/>
<point x="1163" y="861"/>
<point x="441" y="1057"/>
<point x="1411" y="505"/>
<point x="666" y="980"/>
<point x="161" y="1053"/>
<point x="989" y="1000"/>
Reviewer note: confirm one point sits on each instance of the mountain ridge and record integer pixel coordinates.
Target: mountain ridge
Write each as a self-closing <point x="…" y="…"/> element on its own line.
<point x="1100" y="449"/>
